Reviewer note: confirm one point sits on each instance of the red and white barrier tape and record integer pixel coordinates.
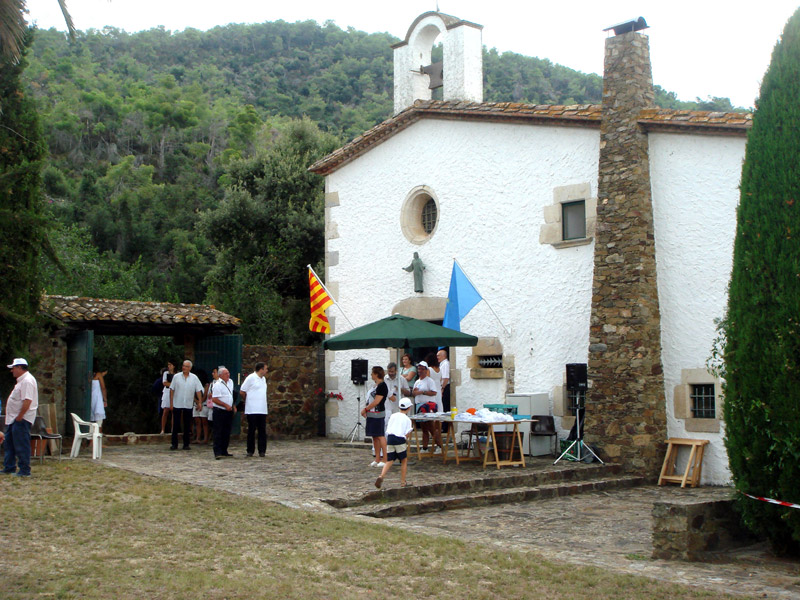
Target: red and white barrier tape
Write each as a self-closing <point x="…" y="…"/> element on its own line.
<point x="772" y="501"/>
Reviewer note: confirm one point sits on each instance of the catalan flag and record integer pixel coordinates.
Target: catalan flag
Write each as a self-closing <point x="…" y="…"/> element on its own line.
<point x="320" y="300"/>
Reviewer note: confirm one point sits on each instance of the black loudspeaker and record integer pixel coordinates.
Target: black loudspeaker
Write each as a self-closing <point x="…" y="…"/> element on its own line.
<point x="358" y="371"/>
<point x="577" y="376"/>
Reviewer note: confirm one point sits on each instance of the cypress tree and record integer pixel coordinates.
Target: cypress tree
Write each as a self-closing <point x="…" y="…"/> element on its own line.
<point x="762" y="351"/>
<point x="22" y="225"/>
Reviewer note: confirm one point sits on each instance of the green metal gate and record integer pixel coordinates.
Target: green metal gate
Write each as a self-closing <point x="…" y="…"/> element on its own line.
<point x="222" y="350"/>
<point x="80" y="356"/>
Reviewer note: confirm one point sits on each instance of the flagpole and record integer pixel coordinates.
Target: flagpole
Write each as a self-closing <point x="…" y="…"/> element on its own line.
<point x="508" y="331"/>
<point x="330" y="295"/>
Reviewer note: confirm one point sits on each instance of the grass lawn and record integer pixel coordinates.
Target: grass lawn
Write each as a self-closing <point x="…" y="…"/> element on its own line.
<point x="78" y="530"/>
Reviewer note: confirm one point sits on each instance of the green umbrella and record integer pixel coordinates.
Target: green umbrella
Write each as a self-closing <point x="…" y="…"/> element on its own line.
<point x="399" y="331"/>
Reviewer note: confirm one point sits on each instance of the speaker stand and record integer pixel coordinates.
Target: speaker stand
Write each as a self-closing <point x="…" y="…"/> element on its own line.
<point x="582" y="451"/>
<point x="358" y="426"/>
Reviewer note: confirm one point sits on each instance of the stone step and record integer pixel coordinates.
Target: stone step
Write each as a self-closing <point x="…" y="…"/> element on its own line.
<point x="491" y="481"/>
<point x="406" y="508"/>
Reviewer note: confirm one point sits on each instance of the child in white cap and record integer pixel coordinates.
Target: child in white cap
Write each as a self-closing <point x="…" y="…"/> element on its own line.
<point x="397" y="432"/>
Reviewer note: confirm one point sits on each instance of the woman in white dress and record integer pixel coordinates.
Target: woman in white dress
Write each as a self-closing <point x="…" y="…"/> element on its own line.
<point x="200" y="414"/>
<point x="209" y="404"/>
<point x="166" y="379"/>
<point x="99" y="399"/>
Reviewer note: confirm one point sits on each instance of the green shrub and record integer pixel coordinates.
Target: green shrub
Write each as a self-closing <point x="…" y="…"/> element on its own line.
<point x="762" y="352"/>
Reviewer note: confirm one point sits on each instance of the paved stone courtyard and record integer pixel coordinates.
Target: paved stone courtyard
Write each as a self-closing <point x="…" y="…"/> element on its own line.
<point x="610" y="530"/>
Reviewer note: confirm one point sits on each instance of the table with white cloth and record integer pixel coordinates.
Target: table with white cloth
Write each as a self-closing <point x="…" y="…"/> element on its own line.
<point x="489" y="456"/>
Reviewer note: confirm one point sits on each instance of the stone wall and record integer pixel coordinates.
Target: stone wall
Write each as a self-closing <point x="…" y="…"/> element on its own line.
<point x="695" y="530"/>
<point x="295" y="375"/>
<point x="48" y="363"/>
<point x="626" y="414"/>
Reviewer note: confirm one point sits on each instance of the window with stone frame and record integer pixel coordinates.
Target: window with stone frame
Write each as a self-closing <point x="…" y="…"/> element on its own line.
<point x="698" y="401"/>
<point x="572" y="217"/>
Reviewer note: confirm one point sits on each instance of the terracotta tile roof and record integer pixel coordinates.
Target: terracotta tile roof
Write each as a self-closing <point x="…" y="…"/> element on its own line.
<point x="545" y="114"/>
<point x="653" y="119"/>
<point x="585" y="115"/>
<point x="75" y="310"/>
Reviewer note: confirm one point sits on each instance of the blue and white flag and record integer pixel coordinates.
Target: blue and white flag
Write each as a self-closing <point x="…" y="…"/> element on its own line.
<point x="460" y="300"/>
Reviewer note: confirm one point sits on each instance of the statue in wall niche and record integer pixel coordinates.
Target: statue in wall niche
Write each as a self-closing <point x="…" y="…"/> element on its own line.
<point x="417" y="267"/>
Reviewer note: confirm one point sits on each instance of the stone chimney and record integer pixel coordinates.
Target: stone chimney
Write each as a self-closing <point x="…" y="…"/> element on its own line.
<point x="626" y="414"/>
<point x="462" y="47"/>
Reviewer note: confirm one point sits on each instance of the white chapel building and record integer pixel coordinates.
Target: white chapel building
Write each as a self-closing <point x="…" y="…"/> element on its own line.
<point x="598" y="234"/>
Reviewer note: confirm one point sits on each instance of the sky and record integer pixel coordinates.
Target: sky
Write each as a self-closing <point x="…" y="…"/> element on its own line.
<point x="698" y="48"/>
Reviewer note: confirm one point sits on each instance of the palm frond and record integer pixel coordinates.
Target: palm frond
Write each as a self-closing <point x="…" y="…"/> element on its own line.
<point x="67" y="18"/>
<point x="12" y="28"/>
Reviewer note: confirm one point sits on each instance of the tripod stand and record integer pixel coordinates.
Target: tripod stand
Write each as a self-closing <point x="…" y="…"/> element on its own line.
<point x="358" y="426"/>
<point x="582" y="451"/>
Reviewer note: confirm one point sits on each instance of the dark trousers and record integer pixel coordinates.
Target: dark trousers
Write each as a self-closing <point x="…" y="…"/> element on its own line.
<point x="182" y="416"/>
<point x="445" y="404"/>
<point x="257" y="422"/>
<point x="223" y="420"/>
<point x="18" y="448"/>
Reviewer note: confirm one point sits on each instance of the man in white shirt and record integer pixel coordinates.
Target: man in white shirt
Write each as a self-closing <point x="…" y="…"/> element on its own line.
<point x="222" y="397"/>
<point x="254" y="393"/>
<point x="20" y="413"/>
<point x="424" y="391"/>
<point x="392" y="380"/>
<point x="184" y="390"/>
<point x="444" y="370"/>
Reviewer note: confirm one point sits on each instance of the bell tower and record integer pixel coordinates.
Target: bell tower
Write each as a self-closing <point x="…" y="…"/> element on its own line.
<point x="461" y="69"/>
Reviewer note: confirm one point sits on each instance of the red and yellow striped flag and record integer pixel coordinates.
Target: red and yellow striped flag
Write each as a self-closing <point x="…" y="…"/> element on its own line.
<point x="320" y="300"/>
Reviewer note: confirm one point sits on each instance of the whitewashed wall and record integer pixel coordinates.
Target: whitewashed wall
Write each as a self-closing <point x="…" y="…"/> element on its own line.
<point x="492" y="182"/>
<point x="695" y="193"/>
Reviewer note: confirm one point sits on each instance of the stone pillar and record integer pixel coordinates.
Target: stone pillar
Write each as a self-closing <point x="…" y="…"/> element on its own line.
<point x="626" y="414"/>
<point x="48" y="360"/>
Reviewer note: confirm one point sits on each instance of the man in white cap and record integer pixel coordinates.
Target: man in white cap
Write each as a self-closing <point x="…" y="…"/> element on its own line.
<point x="20" y="413"/>
<point x="397" y="442"/>
<point x="424" y="393"/>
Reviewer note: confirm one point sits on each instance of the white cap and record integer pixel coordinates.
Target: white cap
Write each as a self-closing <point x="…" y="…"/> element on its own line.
<point x="422" y="363"/>
<point x="18" y="362"/>
<point x="404" y="404"/>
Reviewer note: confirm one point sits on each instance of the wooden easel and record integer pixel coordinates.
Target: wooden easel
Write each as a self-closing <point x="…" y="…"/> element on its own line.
<point x="694" y="466"/>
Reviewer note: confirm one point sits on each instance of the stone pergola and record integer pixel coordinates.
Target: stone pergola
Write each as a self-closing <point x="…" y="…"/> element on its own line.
<point x="72" y="318"/>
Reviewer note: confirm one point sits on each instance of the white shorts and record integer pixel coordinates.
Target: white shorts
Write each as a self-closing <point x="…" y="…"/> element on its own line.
<point x="202" y="413"/>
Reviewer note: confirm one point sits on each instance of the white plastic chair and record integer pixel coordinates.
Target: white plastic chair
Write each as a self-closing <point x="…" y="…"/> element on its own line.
<point x="93" y="434"/>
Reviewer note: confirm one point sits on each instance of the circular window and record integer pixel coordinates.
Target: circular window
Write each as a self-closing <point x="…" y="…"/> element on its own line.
<point x="420" y="215"/>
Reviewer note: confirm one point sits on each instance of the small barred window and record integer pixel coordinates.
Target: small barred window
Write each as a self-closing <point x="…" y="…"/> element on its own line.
<point x="703" y="401"/>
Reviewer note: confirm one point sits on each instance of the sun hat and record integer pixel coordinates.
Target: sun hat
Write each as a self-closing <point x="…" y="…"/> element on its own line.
<point x="404" y="404"/>
<point x="422" y="363"/>
<point x="18" y="362"/>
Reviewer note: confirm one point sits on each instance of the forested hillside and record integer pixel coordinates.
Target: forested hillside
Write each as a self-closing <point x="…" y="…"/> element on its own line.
<point x="177" y="161"/>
